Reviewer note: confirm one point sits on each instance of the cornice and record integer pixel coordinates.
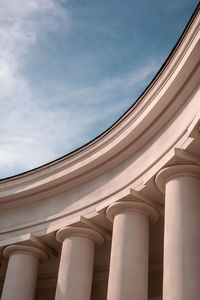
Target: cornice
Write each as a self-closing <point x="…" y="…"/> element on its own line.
<point x="131" y="127"/>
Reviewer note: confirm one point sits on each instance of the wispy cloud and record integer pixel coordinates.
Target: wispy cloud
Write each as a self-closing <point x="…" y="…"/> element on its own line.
<point x="21" y="25"/>
<point x="38" y="126"/>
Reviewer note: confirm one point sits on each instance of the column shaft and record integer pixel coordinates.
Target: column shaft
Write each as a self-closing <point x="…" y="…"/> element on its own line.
<point x="76" y="262"/>
<point x="76" y="269"/>
<point x="20" y="278"/>
<point x="182" y="239"/>
<point x="21" y="274"/>
<point x="128" y="277"/>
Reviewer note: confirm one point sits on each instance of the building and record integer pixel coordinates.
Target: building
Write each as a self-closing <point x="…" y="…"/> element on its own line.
<point x="137" y="186"/>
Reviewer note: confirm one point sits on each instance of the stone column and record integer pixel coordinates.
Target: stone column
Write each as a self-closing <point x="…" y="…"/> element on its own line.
<point x="128" y="275"/>
<point x="181" y="185"/>
<point x="21" y="275"/>
<point x="76" y="262"/>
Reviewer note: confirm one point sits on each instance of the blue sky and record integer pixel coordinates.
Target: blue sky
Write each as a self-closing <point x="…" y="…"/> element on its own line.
<point x="70" y="68"/>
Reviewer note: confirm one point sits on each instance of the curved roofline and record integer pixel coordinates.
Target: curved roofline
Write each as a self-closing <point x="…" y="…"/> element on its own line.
<point x="123" y="116"/>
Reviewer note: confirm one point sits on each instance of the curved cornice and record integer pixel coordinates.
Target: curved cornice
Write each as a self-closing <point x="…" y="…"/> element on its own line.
<point x="128" y="134"/>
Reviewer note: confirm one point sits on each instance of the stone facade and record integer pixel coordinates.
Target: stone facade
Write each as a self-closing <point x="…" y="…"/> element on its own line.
<point x="119" y="218"/>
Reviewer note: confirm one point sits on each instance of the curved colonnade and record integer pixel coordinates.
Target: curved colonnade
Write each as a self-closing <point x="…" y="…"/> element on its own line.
<point x="96" y="223"/>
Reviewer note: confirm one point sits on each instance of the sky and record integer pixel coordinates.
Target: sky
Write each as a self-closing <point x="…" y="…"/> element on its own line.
<point x="70" y="68"/>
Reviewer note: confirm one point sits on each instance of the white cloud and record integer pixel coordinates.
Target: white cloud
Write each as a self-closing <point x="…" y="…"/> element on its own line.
<point x="21" y="24"/>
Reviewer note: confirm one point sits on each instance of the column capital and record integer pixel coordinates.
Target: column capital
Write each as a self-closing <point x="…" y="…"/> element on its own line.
<point x="141" y="207"/>
<point x="85" y="232"/>
<point x="22" y="249"/>
<point x="171" y="172"/>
